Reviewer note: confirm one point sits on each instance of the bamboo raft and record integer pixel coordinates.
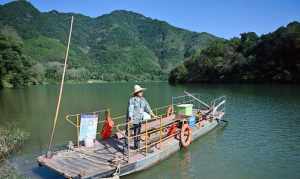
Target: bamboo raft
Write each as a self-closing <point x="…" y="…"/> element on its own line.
<point x="112" y="158"/>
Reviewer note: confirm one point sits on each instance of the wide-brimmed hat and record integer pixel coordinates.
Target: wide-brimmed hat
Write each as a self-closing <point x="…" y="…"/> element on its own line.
<point x="137" y="88"/>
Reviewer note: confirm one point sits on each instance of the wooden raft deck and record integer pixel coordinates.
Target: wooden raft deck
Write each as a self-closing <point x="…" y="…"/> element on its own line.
<point x="84" y="162"/>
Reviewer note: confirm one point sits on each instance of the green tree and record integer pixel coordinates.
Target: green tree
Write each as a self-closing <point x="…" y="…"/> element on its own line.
<point x="15" y="68"/>
<point x="274" y="57"/>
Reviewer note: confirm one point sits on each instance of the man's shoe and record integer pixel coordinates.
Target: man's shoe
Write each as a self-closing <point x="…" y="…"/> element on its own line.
<point x="135" y="147"/>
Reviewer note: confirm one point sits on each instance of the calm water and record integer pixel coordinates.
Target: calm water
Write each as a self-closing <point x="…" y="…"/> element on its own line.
<point x="262" y="139"/>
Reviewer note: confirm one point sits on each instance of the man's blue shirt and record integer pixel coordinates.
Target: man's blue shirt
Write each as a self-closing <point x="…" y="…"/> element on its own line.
<point x="136" y="107"/>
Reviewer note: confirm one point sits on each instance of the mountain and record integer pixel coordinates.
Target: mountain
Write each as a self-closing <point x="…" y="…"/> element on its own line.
<point x="273" y="57"/>
<point x="122" y="45"/>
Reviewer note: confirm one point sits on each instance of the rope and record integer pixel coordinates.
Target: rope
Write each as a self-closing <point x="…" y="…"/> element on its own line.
<point x="61" y="86"/>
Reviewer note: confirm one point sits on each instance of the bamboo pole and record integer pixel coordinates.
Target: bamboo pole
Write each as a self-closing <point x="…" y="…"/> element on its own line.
<point x="61" y="86"/>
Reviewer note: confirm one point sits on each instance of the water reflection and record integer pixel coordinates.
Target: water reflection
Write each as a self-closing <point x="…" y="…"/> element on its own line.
<point x="185" y="163"/>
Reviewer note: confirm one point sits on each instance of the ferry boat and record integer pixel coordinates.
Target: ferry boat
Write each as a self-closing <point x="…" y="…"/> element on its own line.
<point x="176" y="126"/>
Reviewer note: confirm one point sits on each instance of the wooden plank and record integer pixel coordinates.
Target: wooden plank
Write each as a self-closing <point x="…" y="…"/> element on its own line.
<point x="73" y="167"/>
<point x="95" y="160"/>
<point x="100" y="157"/>
<point x="69" y="166"/>
<point x="81" y="170"/>
<point x="79" y="164"/>
<point x="88" y="163"/>
<point x="61" y="168"/>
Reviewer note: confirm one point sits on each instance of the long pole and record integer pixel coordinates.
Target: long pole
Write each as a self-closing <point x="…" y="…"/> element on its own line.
<point x="61" y="86"/>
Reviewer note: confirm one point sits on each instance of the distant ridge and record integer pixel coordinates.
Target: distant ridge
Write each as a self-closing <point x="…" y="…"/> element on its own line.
<point x="121" y="45"/>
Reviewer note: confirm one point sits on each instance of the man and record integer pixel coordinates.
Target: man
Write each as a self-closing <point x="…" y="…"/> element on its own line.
<point x="137" y="107"/>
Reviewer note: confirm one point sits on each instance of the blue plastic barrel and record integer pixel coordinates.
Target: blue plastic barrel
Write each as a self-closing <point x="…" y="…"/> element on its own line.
<point x="192" y="121"/>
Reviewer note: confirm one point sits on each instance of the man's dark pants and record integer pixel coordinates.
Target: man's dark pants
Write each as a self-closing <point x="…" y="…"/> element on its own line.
<point x="136" y="131"/>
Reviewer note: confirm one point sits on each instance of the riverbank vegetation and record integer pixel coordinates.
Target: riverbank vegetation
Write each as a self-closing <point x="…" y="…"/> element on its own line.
<point x="11" y="140"/>
<point x="273" y="57"/>
<point x="120" y="46"/>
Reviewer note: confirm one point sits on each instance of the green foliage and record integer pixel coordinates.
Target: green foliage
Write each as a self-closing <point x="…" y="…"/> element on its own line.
<point x="179" y="74"/>
<point x="274" y="57"/>
<point x="11" y="138"/>
<point x="15" y="67"/>
<point x="122" y="45"/>
<point x="44" y="49"/>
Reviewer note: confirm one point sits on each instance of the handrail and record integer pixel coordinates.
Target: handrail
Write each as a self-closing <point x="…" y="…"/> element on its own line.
<point x="155" y="109"/>
<point x="77" y="122"/>
<point x="190" y="99"/>
<point x="128" y="137"/>
<point x="129" y="123"/>
<point x="200" y="101"/>
<point x="219" y="103"/>
<point x="74" y="120"/>
<point x="147" y="145"/>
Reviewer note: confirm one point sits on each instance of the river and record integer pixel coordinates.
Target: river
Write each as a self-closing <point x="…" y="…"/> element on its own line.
<point x="261" y="140"/>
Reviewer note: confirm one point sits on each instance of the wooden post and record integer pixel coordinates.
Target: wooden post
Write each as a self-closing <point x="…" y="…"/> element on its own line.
<point x="77" y="126"/>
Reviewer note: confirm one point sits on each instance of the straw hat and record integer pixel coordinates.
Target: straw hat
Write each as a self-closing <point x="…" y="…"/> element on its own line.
<point x="138" y="88"/>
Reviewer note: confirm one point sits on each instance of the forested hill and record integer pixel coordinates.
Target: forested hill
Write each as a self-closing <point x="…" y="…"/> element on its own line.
<point x="122" y="45"/>
<point x="273" y="57"/>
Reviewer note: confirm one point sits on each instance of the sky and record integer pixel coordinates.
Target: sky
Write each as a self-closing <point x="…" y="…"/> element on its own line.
<point x="223" y="18"/>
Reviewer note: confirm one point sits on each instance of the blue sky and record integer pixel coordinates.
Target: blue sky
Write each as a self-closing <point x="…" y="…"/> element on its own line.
<point x="227" y="18"/>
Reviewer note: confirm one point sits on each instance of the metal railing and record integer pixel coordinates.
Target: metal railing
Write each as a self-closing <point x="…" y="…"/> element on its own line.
<point x="159" y="130"/>
<point x="145" y="142"/>
<point x="190" y="99"/>
<point x="74" y="120"/>
<point x="218" y="104"/>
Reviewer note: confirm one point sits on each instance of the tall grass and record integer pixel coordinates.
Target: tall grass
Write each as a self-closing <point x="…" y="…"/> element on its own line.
<point x="11" y="140"/>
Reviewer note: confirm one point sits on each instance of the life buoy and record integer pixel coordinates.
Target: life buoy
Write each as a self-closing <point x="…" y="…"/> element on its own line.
<point x="107" y="126"/>
<point x="170" y="111"/>
<point x="185" y="135"/>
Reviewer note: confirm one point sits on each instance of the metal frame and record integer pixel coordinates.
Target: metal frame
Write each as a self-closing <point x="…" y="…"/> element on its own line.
<point x="217" y="104"/>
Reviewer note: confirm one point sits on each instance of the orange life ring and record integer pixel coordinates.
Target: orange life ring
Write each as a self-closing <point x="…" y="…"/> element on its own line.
<point x="170" y="111"/>
<point x="185" y="135"/>
<point x="107" y="126"/>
